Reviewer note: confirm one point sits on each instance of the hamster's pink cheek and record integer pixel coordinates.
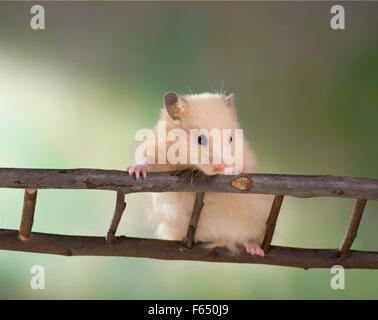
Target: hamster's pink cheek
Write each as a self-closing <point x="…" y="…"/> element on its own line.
<point x="219" y="168"/>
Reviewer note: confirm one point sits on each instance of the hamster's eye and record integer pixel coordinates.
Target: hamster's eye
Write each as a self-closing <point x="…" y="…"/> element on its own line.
<point x="230" y="139"/>
<point x="202" y="140"/>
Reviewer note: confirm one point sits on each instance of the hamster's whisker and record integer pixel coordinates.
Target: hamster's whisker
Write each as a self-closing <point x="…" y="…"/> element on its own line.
<point x="198" y="174"/>
<point x="203" y="177"/>
<point x="183" y="168"/>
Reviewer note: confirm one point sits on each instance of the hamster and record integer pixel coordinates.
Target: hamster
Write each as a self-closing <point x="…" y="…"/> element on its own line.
<point x="234" y="221"/>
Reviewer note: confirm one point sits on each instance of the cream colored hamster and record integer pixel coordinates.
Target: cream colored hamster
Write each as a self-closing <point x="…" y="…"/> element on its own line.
<point x="227" y="220"/>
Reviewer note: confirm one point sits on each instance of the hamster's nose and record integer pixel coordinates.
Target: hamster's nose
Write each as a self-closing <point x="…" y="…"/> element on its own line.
<point x="219" y="167"/>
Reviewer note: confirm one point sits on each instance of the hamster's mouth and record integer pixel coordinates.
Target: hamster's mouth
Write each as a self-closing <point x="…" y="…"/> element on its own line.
<point x="193" y="174"/>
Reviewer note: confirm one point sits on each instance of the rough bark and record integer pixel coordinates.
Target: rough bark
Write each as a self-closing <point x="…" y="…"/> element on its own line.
<point x="175" y="250"/>
<point x="291" y="185"/>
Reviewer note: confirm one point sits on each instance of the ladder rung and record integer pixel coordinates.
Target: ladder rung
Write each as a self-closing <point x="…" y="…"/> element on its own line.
<point x="354" y="223"/>
<point x="197" y="208"/>
<point x="119" y="209"/>
<point x="27" y="218"/>
<point x="271" y="222"/>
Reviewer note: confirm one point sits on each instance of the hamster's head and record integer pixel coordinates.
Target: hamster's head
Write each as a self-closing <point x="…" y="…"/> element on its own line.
<point x="207" y="124"/>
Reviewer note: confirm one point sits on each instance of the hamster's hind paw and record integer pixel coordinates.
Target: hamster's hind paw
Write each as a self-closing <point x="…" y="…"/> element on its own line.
<point x="253" y="248"/>
<point x="139" y="169"/>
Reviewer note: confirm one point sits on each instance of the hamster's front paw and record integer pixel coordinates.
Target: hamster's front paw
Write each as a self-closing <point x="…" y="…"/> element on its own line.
<point x="138" y="170"/>
<point x="253" y="248"/>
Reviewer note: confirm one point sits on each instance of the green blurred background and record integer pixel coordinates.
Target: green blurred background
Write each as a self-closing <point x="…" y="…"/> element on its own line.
<point x="74" y="95"/>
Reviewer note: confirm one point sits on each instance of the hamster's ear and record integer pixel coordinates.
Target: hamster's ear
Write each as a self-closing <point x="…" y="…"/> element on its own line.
<point x="174" y="104"/>
<point x="230" y="102"/>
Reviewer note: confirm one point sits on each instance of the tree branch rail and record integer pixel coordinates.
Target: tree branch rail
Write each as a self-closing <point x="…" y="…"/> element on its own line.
<point x="279" y="185"/>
